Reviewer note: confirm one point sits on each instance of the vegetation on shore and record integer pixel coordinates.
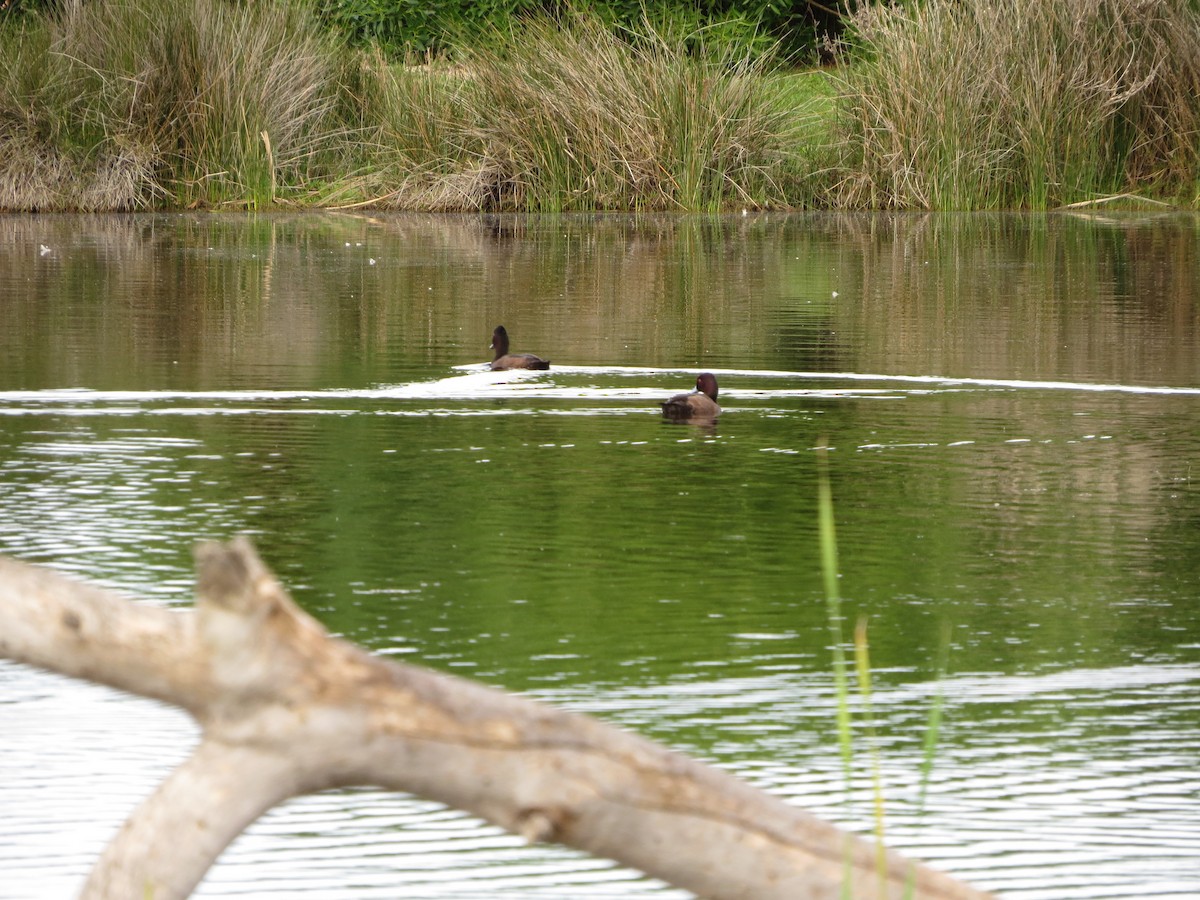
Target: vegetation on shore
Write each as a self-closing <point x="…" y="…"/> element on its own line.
<point x="935" y="105"/>
<point x="797" y="28"/>
<point x="1014" y="104"/>
<point x="573" y="115"/>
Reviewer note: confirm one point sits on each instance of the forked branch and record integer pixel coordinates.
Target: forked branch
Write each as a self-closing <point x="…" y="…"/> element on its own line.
<point x="285" y="709"/>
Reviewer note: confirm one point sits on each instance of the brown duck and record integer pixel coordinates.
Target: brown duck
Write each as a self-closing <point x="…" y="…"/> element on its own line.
<point x="699" y="404"/>
<point x="506" y="360"/>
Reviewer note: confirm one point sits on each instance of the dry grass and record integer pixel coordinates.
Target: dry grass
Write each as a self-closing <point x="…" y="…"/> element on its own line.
<point x="946" y="105"/>
<point x="575" y="115"/>
<point x="1008" y="104"/>
<point x="154" y="103"/>
<point x="125" y="105"/>
<point x="414" y="123"/>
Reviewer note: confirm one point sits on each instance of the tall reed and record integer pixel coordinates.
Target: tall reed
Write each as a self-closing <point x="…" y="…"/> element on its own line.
<point x="577" y="115"/>
<point x="862" y="664"/>
<point x="416" y="144"/>
<point x="122" y="105"/>
<point x="953" y="105"/>
<point x="827" y="535"/>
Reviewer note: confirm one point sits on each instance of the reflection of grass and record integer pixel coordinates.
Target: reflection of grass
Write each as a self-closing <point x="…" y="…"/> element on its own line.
<point x="829" y="570"/>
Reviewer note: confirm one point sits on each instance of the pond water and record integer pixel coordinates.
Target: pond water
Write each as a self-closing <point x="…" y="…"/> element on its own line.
<point x="1012" y="405"/>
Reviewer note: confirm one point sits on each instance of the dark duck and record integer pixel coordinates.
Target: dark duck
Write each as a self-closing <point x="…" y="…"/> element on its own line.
<point x="700" y="404"/>
<point x="506" y="360"/>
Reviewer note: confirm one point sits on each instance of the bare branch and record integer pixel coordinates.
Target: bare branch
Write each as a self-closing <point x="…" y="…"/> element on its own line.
<point x="57" y="623"/>
<point x="286" y="709"/>
<point x="165" y="848"/>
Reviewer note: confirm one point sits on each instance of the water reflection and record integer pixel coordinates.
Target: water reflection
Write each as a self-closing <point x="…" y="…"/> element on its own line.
<point x="217" y="301"/>
<point x="1011" y="402"/>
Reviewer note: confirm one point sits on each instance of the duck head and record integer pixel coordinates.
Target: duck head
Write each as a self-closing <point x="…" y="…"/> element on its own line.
<point x="706" y="383"/>
<point x="500" y="341"/>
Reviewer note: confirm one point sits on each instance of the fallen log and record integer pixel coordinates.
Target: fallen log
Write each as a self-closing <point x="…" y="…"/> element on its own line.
<point x="286" y="709"/>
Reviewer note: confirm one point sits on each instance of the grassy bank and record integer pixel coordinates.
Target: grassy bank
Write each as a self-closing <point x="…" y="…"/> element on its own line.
<point x="573" y="115"/>
<point x="155" y="104"/>
<point x="1012" y="104"/>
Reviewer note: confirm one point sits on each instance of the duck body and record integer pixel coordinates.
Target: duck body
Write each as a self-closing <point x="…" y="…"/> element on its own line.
<point x="699" y="404"/>
<point x="506" y="360"/>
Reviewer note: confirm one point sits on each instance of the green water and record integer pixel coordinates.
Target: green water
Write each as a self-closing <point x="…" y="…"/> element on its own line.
<point x="1012" y="407"/>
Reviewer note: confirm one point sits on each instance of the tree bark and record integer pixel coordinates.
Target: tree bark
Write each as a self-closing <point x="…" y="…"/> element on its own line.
<point x="285" y="709"/>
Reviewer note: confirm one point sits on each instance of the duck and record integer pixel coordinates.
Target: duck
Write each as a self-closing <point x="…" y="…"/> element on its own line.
<point x="699" y="404"/>
<point x="506" y="360"/>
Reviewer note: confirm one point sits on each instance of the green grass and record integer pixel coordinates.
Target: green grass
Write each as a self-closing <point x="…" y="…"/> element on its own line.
<point x="575" y="115"/>
<point x="941" y="105"/>
<point x="830" y="573"/>
<point x="150" y="103"/>
<point x="827" y="535"/>
<point x="862" y="664"/>
<point x="415" y="148"/>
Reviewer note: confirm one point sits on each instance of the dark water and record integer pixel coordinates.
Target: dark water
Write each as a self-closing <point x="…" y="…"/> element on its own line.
<point x="1012" y="404"/>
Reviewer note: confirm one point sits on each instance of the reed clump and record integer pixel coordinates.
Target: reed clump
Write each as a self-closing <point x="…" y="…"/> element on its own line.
<point x="153" y="102"/>
<point x="953" y="105"/>
<point x="576" y="114"/>
<point x="413" y="147"/>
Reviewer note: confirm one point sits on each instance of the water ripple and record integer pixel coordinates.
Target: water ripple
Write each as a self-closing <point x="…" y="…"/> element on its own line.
<point x="479" y="383"/>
